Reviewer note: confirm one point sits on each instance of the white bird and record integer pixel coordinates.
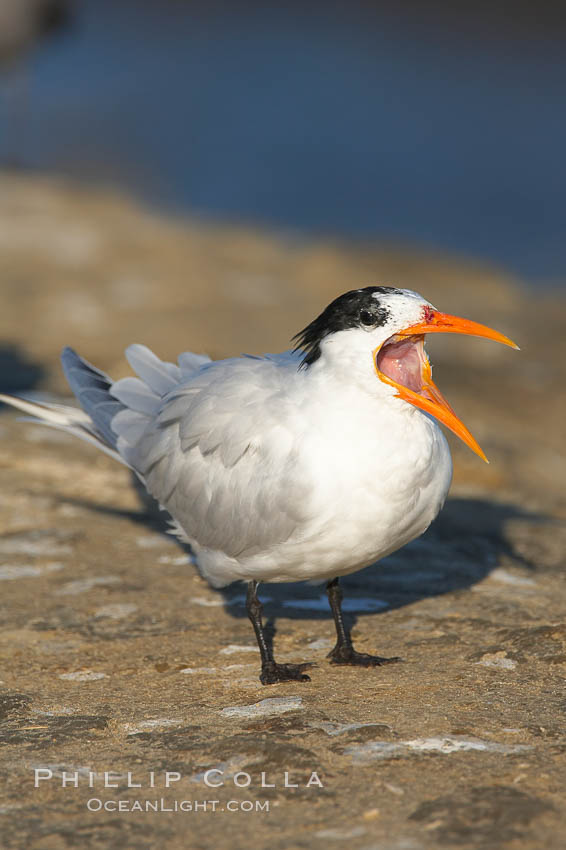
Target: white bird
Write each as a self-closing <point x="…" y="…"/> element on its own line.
<point x="305" y="465"/>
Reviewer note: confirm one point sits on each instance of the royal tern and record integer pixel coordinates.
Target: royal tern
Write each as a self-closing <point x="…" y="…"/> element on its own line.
<point x="305" y="465"/>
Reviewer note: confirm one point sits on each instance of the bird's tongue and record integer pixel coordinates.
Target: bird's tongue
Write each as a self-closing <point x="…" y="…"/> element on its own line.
<point x="402" y="362"/>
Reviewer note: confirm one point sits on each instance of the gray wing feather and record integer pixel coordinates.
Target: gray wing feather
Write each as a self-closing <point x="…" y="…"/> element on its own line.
<point x="160" y="377"/>
<point x="130" y="425"/>
<point x="134" y="394"/>
<point x="91" y="387"/>
<point x="209" y="457"/>
<point x="190" y="363"/>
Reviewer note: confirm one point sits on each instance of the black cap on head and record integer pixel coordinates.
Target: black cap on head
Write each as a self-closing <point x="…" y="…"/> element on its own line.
<point x="355" y="309"/>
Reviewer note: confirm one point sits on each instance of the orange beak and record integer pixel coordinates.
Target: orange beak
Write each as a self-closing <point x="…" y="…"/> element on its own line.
<point x="436" y="322"/>
<point x="429" y="398"/>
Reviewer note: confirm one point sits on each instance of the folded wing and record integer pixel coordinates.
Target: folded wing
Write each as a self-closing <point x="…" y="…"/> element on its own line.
<point x="221" y="452"/>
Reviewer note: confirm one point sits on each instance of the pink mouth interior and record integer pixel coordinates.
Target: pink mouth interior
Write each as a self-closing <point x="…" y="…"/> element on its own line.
<point x="402" y="360"/>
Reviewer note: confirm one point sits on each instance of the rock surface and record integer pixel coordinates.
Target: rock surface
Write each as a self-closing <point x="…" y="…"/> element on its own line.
<point x="115" y="655"/>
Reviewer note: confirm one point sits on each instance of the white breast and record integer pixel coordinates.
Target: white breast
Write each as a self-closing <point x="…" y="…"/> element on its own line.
<point x="382" y="488"/>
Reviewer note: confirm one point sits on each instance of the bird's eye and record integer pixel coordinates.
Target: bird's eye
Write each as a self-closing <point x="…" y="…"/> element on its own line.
<point x="367" y="318"/>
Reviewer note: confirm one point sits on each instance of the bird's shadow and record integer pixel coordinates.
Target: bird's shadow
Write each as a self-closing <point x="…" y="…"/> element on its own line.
<point x="17" y="372"/>
<point x="466" y="542"/>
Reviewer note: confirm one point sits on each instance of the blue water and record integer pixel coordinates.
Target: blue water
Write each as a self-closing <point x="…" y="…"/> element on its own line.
<point x="386" y="121"/>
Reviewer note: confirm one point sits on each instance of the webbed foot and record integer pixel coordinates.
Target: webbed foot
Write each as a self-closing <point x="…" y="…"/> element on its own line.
<point x="272" y="673"/>
<point x="348" y="655"/>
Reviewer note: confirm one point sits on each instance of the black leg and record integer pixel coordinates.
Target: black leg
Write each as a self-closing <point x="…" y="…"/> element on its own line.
<point x="271" y="672"/>
<point x="344" y="652"/>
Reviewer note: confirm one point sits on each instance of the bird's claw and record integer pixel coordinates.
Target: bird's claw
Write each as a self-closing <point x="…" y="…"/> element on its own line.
<point x="273" y="673"/>
<point x="348" y="655"/>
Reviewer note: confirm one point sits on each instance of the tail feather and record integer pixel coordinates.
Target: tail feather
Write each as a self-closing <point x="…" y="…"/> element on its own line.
<point x="91" y="387"/>
<point x="64" y="418"/>
<point x="115" y="415"/>
<point x="50" y="413"/>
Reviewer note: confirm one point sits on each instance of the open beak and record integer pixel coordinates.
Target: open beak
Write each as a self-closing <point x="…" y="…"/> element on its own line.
<point x="402" y="362"/>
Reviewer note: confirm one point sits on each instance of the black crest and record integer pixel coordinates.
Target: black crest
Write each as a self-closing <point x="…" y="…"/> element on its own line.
<point x="355" y="309"/>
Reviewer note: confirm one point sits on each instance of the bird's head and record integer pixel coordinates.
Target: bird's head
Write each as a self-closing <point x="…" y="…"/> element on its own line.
<point x="377" y="334"/>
